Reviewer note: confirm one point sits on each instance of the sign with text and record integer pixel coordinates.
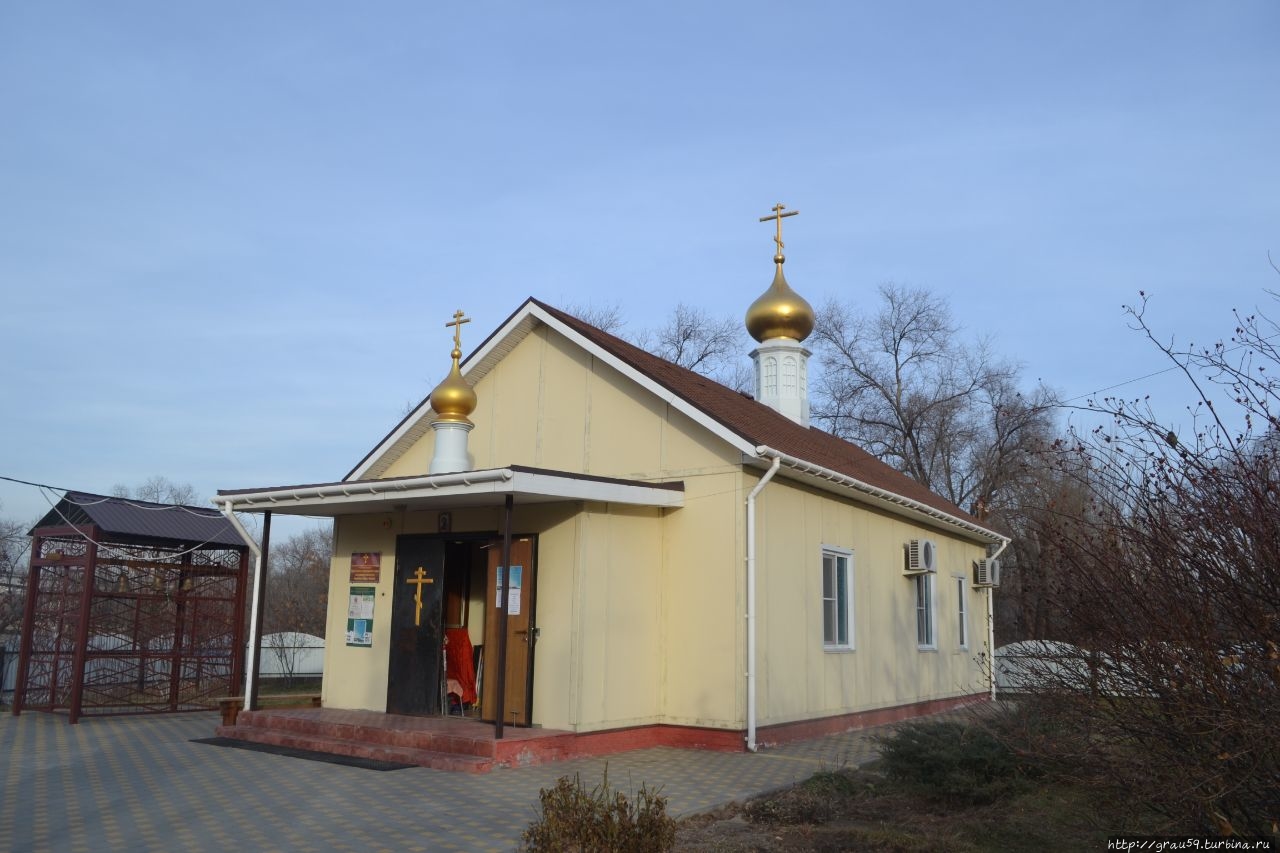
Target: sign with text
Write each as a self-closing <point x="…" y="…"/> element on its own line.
<point x="360" y="616"/>
<point x="366" y="567"/>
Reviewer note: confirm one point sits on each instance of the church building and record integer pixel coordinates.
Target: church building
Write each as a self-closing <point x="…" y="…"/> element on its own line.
<point x="572" y="533"/>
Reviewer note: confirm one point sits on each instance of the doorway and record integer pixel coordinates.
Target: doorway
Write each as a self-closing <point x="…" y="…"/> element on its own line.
<point x="416" y="667"/>
<point x="522" y="633"/>
<point x="445" y="622"/>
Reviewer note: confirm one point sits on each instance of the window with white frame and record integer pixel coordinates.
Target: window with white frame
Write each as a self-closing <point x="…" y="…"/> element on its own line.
<point x="837" y="598"/>
<point x="925" y="637"/>
<point x="962" y="585"/>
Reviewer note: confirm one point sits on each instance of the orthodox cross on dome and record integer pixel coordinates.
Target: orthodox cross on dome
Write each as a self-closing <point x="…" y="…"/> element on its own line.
<point x="779" y="216"/>
<point x="458" y="319"/>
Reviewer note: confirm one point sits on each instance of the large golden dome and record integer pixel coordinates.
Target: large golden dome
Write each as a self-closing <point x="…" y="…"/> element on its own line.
<point x="780" y="312"/>
<point x="453" y="399"/>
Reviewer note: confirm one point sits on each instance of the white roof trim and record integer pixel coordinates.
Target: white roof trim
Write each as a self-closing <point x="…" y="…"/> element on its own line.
<point x="442" y="491"/>
<point x="899" y="504"/>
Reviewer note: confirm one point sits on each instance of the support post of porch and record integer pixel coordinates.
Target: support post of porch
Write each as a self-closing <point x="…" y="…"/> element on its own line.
<point x="255" y="631"/>
<point x="504" y="575"/>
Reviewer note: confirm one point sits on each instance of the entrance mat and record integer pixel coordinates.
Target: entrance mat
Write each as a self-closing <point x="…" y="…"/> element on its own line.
<point x="308" y="754"/>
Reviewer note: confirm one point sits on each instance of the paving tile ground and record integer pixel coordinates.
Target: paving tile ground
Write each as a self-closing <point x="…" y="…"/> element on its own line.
<point x="140" y="784"/>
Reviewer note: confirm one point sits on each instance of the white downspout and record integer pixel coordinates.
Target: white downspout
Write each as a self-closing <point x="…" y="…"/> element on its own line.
<point x="751" y="601"/>
<point x="991" y="623"/>
<point x="252" y="661"/>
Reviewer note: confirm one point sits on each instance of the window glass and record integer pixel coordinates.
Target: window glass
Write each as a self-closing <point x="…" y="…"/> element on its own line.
<point x="837" y="599"/>
<point x="924" y="610"/>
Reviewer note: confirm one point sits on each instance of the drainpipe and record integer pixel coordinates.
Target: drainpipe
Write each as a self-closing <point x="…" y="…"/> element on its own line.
<point x="751" y="601"/>
<point x="251" y="665"/>
<point x="991" y="621"/>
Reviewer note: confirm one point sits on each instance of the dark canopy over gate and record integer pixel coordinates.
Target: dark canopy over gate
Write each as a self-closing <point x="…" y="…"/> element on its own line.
<point x="132" y="607"/>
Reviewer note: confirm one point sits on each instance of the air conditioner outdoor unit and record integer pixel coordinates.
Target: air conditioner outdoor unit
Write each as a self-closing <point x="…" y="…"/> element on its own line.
<point x="922" y="556"/>
<point x="986" y="572"/>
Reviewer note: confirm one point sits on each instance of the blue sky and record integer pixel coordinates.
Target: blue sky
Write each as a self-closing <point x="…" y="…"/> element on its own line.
<point x="231" y="233"/>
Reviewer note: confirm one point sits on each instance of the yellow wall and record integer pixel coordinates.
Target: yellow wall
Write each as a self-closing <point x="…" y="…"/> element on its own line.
<point x="704" y="603"/>
<point x="356" y="676"/>
<point x="615" y="649"/>
<point x="596" y="661"/>
<point x="797" y="677"/>
<point x="641" y="610"/>
<point x="672" y="580"/>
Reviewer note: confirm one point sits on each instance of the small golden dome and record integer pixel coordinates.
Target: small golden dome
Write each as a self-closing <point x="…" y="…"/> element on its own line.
<point x="780" y="312"/>
<point x="453" y="399"/>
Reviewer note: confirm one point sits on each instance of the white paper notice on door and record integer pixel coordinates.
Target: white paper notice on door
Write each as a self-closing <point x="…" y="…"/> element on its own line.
<point x="516" y="573"/>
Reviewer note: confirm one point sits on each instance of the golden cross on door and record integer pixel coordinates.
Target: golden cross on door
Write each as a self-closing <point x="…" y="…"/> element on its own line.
<point x="779" y="215"/>
<point x="458" y="319"/>
<point x="420" y="578"/>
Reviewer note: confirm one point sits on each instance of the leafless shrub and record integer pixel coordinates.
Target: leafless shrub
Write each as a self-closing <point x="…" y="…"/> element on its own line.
<point x="1167" y="566"/>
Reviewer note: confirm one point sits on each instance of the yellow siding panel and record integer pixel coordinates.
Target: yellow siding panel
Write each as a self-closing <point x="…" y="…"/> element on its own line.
<point x="798" y="678"/>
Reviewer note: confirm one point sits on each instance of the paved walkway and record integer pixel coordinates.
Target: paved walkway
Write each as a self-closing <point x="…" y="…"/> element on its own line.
<point x="138" y="783"/>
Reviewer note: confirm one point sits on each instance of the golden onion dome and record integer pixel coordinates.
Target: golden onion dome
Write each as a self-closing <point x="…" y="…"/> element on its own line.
<point x="780" y="312"/>
<point x="453" y="399"/>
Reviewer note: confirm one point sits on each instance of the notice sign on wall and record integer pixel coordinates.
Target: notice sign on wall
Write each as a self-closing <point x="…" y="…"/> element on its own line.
<point x="360" y="616"/>
<point x="366" y="567"/>
<point x="513" y="596"/>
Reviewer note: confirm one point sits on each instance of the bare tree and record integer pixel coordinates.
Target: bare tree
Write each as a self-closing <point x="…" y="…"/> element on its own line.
<point x="692" y="338"/>
<point x="1028" y="606"/>
<point x="287" y="649"/>
<point x="14" y="547"/>
<point x="904" y="384"/>
<point x="607" y="317"/>
<point x="297" y="595"/>
<point x="298" y="589"/>
<point x="1169" y="573"/>
<point x="160" y="490"/>
<point x="715" y="347"/>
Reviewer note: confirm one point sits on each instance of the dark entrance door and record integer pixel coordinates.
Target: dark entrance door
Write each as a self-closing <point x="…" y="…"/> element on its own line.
<point x="416" y="669"/>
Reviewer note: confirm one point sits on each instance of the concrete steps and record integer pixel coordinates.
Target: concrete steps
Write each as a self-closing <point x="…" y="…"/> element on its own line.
<point x="357" y="748"/>
<point x="445" y="743"/>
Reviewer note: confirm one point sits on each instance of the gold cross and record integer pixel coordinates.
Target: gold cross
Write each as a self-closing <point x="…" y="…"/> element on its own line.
<point x="420" y="578"/>
<point x="779" y="215"/>
<point x="458" y="319"/>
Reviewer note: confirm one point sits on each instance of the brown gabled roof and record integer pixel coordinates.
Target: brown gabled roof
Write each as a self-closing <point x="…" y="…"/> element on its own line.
<point x="759" y="424"/>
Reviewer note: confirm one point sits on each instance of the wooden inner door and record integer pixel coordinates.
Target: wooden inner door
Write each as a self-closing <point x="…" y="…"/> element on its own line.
<point x="521" y="635"/>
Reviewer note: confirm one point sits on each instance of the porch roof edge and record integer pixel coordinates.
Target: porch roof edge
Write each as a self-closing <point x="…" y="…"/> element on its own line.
<point x="442" y="491"/>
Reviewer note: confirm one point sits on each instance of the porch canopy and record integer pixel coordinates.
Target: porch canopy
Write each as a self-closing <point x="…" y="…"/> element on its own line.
<point x="488" y="487"/>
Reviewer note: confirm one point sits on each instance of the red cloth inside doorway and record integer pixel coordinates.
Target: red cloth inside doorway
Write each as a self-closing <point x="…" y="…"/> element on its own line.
<point x="458" y="664"/>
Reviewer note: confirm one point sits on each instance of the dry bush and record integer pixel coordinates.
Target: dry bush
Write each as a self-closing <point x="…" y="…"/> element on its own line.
<point x="952" y="762"/>
<point x="574" y="819"/>
<point x="1168" y="567"/>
